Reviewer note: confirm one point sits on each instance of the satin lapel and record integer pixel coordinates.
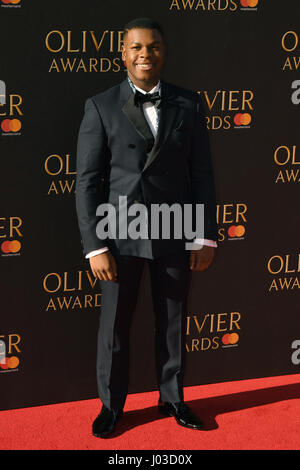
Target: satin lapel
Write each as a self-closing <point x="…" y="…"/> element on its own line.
<point x="169" y="110"/>
<point x="137" y="119"/>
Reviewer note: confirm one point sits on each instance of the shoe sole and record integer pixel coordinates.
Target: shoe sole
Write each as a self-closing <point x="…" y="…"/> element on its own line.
<point x="164" y="412"/>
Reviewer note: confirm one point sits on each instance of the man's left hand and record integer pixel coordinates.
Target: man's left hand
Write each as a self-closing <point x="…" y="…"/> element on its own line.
<point x="201" y="259"/>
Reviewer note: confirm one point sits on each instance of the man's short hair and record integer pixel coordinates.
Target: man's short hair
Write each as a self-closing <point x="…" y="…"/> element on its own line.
<point x="143" y="23"/>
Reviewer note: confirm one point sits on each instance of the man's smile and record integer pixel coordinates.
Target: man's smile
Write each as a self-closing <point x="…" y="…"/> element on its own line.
<point x="145" y="66"/>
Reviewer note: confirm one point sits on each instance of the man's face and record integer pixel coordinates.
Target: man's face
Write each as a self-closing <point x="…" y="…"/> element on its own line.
<point x="143" y="54"/>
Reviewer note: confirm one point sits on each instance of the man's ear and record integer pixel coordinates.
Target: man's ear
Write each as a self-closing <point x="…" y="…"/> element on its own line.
<point x="123" y="53"/>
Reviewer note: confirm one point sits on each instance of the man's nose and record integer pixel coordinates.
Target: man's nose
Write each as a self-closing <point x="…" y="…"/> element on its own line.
<point x="145" y="52"/>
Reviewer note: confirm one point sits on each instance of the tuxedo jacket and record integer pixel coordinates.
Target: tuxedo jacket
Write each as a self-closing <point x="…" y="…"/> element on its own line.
<point x="117" y="155"/>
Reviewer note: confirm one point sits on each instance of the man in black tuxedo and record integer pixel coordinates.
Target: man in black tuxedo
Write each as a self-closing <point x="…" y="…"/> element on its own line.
<point x="147" y="140"/>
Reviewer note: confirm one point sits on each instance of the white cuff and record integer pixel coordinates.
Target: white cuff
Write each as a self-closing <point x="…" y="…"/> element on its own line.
<point x="204" y="241"/>
<point x="96" y="252"/>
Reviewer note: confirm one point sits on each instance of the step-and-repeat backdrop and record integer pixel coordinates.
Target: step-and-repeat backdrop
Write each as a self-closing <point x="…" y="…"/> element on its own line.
<point x="242" y="56"/>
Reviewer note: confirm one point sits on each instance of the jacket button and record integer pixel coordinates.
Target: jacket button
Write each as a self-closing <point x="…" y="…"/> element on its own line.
<point x="131" y="146"/>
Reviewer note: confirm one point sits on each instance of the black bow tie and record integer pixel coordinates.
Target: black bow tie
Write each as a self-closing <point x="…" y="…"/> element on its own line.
<point x="141" y="98"/>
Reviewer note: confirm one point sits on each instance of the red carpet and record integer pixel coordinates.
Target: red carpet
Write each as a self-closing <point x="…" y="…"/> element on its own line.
<point x="245" y="415"/>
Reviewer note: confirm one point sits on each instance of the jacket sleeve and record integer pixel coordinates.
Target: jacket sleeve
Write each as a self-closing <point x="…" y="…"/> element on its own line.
<point x="92" y="170"/>
<point x="201" y="173"/>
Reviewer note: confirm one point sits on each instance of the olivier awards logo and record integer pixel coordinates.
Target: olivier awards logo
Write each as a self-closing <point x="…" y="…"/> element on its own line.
<point x="70" y="291"/>
<point x="213" y="331"/>
<point x="9" y="352"/>
<point x="284" y="270"/>
<point x="290" y="45"/>
<point x="10" y="234"/>
<point x="84" y="51"/>
<point x="10" y="112"/>
<point x="213" y="5"/>
<point x="58" y="168"/>
<point x="231" y="220"/>
<point x="228" y="109"/>
<point x="285" y="158"/>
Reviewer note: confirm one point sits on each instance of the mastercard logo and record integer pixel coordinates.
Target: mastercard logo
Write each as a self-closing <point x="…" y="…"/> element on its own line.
<point x="12" y="246"/>
<point x="11" y="125"/>
<point x="242" y="119"/>
<point x="9" y="362"/>
<point x="230" y="338"/>
<point x="236" y="231"/>
<point x="13" y="2"/>
<point x="249" y="3"/>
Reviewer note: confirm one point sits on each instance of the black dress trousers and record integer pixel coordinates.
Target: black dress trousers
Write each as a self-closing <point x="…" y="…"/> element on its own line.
<point x="170" y="279"/>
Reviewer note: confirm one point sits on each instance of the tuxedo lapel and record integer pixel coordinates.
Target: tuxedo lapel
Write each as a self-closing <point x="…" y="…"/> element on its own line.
<point x="136" y="116"/>
<point x="170" y="113"/>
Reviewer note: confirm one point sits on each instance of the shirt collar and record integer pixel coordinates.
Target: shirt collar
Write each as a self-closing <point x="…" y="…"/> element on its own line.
<point x="154" y="90"/>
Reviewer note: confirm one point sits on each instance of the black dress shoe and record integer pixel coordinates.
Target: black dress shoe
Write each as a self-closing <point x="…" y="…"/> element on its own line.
<point x="182" y="413"/>
<point x="105" y="422"/>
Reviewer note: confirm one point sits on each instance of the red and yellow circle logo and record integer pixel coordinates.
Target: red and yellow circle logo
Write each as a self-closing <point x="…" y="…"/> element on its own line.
<point x="9" y="362"/>
<point x="249" y="3"/>
<point x="236" y="231"/>
<point x="230" y="338"/>
<point x="242" y="119"/>
<point x="11" y="125"/>
<point x="10" y="246"/>
<point x="13" y="2"/>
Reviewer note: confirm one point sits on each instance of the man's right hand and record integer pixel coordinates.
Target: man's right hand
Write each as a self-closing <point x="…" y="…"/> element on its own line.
<point x="104" y="266"/>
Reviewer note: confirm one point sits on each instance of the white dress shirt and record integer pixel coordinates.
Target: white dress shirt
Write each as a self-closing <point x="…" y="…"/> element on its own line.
<point x="151" y="115"/>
